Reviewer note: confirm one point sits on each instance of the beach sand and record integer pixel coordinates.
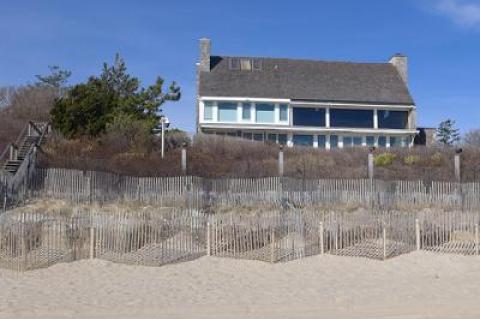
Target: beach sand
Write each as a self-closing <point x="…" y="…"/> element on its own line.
<point x="417" y="285"/>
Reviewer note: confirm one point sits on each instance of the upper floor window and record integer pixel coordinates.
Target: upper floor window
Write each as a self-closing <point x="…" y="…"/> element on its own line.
<point x="227" y="112"/>
<point x="351" y="118"/>
<point x="265" y="113"/>
<point x="246" y="111"/>
<point x="283" y="116"/>
<point x="392" y="119"/>
<point x="303" y="116"/>
<point x="208" y="111"/>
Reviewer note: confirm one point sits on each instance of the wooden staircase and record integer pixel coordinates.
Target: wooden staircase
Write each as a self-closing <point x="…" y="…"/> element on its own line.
<point x="32" y="135"/>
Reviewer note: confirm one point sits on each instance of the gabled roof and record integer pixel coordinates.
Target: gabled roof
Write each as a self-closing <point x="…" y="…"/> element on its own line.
<point x="376" y="83"/>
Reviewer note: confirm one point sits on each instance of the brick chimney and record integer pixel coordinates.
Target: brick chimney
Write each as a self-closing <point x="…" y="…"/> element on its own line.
<point x="400" y="62"/>
<point x="205" y="48"/>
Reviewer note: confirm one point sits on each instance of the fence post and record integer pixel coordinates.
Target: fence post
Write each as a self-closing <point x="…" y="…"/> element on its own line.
<point x="184" y="158"/>
<point x="384" y="243"/>
<point x="477" y="241"/>
<point x="417" y="233"/>
<point x="92" y="242"/>
<point x="320" y="233"/>
<point x="209" y="243"/>
<point x="280" y="161"/>
<point x="458" y="173"/>
<point x="272" y="251"/>
<point x="370" y="163"/>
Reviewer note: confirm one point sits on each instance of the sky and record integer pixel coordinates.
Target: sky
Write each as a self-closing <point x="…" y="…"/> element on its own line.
<point x="160" y="38"/>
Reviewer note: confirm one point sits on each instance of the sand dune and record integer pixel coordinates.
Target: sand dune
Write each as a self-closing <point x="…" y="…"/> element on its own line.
<point x="418" y="285"/>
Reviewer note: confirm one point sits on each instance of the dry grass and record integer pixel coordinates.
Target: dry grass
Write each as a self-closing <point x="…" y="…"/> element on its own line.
<point x="217" y="157"/>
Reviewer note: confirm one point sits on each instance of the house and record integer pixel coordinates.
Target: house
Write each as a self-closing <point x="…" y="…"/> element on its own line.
<point x="304" y="102"/>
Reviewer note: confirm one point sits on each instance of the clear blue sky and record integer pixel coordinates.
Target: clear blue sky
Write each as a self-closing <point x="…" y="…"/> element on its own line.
<point x="441" y="38"/>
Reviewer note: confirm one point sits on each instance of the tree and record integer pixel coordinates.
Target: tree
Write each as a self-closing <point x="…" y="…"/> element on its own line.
<point x="447" y="134"/>
<point x="56" y="79"/>
<point x="89" y="108"/>
<point x="472" y="138"/>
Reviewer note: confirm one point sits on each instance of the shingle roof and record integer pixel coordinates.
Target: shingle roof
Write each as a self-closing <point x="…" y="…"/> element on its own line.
<point x="307" y="80"/>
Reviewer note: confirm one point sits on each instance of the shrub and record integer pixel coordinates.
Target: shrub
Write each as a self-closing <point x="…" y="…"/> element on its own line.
<point x="436" y="159"/>
<point x="384" y="159"/>
<point x="412" y="160"/>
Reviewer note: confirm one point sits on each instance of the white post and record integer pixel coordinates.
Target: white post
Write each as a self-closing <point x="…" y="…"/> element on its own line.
<point x="458" y="176"/>
<point x="477" y="241"/>
<point x="370" y="165"/>
<point x="417" y="233"/>
<point x="280" y="161"/>
<point x="163" y="138"/>
<point x="92" y="242"/>
<point x="384" y="243"/>
<point x="320" y="234"/>
<point x="209" y="248"/>
<point x="184" y="158"/>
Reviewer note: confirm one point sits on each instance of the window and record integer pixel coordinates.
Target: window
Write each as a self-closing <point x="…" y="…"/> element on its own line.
<point x="245" y="64"/>
<point x="303" y="140"/>
<point x="258" y="137"/>
<point x="208" y="111"/>
<point x="395" y="141"/>
<point x="382" y="141"/>
<point x="234" y="64"/>
<point x="370" y="141"/>
<point x="246" y="111"/>
<point x="357" y="141"/>
<point x="272" y="138"/>
<point x="265" y="113"/>
<point x="232" y="134"/>
<point x="333" y="141"/>
<point x="321" y="141"/>
<point x="248" y="136"/>
<point x="283" y="113"/>
<point x="257" y="64"/>
<point x="282" y="139"/>
<point x="351" y="118"/>
<point x="303" y="116"/>
<point x="227" y="112"/>
<point x="347" y="141"/>
<point x="392" y="119"/>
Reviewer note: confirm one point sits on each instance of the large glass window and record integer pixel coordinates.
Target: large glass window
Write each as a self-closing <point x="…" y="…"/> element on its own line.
<point x="265" y="113"/>
<point x="333" y="141"/>
<point x="395" y="141"/>
<point x="227" y="112"/>
<point x="248" y="136"/>
<point x="347" y="141"/>
<point x="282" y="139"/>
<point x="272" y="137"/>
<point x="303" y="140"/>
<point x="382" y="141"/>
<point x="370" y="141"/>
<point x="208" y="111"/>
<point x="357" y="141"/>
<point x="392" y="119"/>
<point x="283" y="117"/>
<point x="258" y="137"/>
<point x="303" y="116"/>
<point x="321" y="141"/>
<point x="351" y="118"/>
<point x="246" y="111"/>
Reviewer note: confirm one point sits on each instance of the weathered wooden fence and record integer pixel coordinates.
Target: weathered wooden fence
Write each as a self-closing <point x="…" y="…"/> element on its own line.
<point x="160" y="236"/>
<point x="196" y="192"/>
<point x="283" y="236"/>
<point x="153" y="238"/>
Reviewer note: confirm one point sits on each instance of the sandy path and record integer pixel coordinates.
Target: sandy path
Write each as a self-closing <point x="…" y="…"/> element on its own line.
<point x="418" y="285"/>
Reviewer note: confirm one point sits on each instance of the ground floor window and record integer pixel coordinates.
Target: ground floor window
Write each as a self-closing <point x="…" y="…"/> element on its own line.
<point x="382" y="141"/>
<point x="302" y="140"/>
<point x="322" y="141"/>
<point x="333" y="141"/>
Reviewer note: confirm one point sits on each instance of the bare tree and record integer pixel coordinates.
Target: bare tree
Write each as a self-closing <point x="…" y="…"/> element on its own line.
<point x="472" y="138"/>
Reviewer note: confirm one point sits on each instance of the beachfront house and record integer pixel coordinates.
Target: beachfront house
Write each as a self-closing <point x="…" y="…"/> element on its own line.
<point x="304" y="102"/>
